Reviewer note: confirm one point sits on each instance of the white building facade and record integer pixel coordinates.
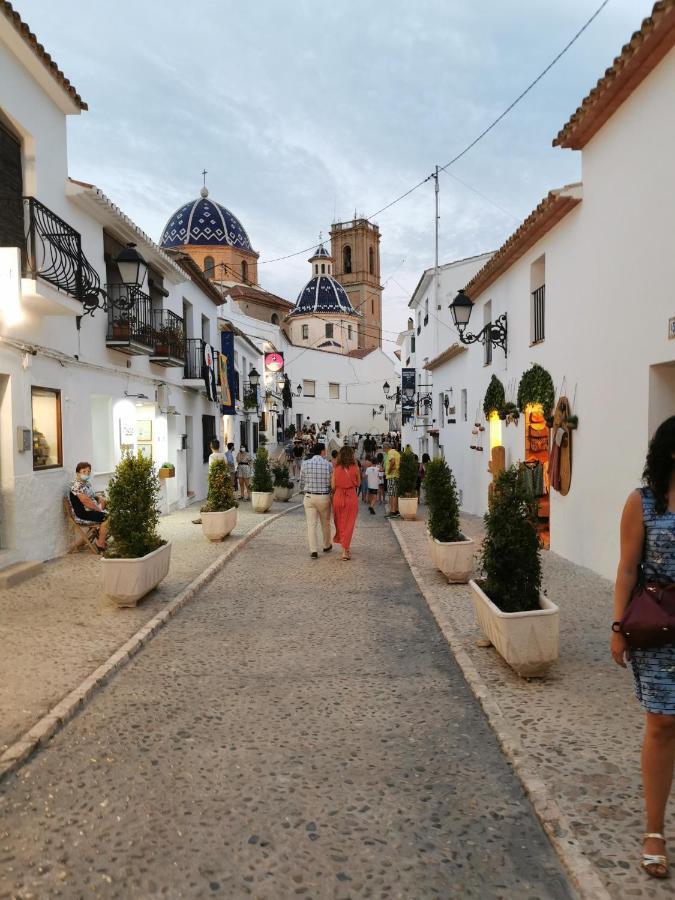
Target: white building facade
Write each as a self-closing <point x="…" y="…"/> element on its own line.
<point x="586" y="284"/>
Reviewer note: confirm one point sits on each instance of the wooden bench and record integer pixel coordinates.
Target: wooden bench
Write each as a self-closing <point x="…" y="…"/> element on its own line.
<point x="85" y="532"/>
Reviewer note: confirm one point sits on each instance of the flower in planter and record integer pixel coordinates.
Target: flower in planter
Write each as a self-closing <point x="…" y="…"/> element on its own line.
<point x="511" y="551"/>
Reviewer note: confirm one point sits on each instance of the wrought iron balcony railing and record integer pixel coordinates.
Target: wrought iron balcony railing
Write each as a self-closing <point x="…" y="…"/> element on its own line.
<point x="194" y="359"/>
<point x="169" y="337"/>
<point x="129" y="320"/>
<point x="53" y="252"/>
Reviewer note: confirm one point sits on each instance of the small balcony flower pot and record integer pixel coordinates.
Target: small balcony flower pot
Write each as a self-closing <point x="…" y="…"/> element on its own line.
<point x="166" y="473"/>
<point x="217" y="525"/>
<point x="407" y="506"/>
<point x="121" y="332"/>
<point x="527" y="641"/>
<point x="261" y="501"/>
<point x="126" y="581"/>
<point x="283" y="494"/>
<point x="454" y="559"/>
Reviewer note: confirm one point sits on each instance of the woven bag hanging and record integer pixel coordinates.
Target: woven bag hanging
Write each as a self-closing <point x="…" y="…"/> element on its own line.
<point x="563" y="413"/>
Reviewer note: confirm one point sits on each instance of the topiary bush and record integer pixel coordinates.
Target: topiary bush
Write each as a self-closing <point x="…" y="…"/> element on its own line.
<point x="262" y="476"/>
<point x="443" y="502"/>
<point x="510" y="555"/>
<point x="281" y="478"/>
<point x="495" y="397"/>
<point x="133" y="514"/>
<point x="536" y="386"/>
<point x="220" y="496"/>
<point x="407" y="474"/>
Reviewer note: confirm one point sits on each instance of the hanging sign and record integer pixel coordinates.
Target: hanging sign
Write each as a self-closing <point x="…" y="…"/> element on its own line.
<point x="408" y="389"/>
<point x="274" y="362"/>
<point x="227" y="373"/>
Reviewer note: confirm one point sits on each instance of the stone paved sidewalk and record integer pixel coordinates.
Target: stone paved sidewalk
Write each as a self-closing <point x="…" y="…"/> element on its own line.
<point x="56" y="628"/>
<point x="581" y="726"/>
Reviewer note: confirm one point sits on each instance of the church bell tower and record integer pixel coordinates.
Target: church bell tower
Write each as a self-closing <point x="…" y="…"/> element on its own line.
<point x="355" y="248"/>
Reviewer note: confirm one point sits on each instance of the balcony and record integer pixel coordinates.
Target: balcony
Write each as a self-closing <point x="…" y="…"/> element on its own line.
<point x="130" y="328"/>
<point x="169" y="339"/>
<point x="57" y="278"/>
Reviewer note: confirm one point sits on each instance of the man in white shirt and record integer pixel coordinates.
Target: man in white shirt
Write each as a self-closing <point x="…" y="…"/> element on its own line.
<point x="315" y="481"/>
<point x="372" y="474"/>
<point x="215" y="452"/>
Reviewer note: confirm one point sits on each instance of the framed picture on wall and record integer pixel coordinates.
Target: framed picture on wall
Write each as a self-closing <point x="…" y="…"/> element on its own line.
<point x="145" y="450"/>
<point x="144" y="431"/>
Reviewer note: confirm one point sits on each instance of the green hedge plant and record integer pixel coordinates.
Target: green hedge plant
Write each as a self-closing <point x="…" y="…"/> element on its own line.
<point x="511" y="550"/>
<point x="281" y="479"/>
<point x="536" y="386"/>
<point x="407" y="474"/>
<point x="133" y="514"/>
<point x="262" y="476"/>
<point x="495" y="397"/>
<point x="443" y="502"/>
<point x="220" y="497"/>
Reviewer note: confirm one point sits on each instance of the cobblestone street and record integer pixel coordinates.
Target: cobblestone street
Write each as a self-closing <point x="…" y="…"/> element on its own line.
<point x="299" y="730"/>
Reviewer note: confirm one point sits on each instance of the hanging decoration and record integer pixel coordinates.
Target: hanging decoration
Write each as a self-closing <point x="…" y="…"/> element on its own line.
<point x="560" y="457"/>
<point x="536" y="386"/>
<point x="495" y="398"/>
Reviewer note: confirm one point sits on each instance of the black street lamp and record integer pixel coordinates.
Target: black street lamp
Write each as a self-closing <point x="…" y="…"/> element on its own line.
<point x="395" y="396"/>
<point x="133" y="268"/>
<point x="253" y="378"/>
<point x="494" y="332"/>
<point x="298" y="390"/>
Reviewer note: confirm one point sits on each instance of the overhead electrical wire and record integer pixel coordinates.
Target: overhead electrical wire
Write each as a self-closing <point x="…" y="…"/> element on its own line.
<point x="473" y="143"/>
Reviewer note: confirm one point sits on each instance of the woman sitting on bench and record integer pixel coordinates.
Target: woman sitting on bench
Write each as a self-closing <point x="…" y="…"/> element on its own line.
<point x="88" y="505"/>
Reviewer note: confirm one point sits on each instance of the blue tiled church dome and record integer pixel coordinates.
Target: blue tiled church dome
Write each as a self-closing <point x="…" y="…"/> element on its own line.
<point x="203" y="222"/>
<point x="323" y="294"/>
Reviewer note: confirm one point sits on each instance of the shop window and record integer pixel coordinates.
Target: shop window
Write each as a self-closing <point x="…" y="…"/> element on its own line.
<point x="102" y="447"/>
<point x="308" y="388"/>
<point x="208" y="434"/>
<point x="329" y="330"/>
<point x="209" y="267"/>
<point x="347" y="259"/>
<point x="47" y="448"/>
<point x="305" y="332"/>
<point x="333" y="391"/>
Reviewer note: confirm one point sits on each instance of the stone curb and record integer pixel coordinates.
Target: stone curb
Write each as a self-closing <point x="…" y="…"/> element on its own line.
<point x="46" y="727"/>
<point x="555" y="823"/>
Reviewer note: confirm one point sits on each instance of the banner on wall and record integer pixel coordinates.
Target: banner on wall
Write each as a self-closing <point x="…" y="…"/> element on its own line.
<point x="408" y="388"/>
<point x="227" y="373"/>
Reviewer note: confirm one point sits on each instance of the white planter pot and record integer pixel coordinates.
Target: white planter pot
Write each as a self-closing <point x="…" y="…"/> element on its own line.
<point x="283" y="493"/>
<point x="125" y="581"/>
<point x="454" y="559"/>
<point x="407" y="506"/>
<point x="217" y="525"/>
<point x="528" y="641"/>
<point x="261" y="501"/>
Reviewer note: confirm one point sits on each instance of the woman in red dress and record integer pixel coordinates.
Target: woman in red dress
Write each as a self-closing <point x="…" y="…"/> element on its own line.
<point x="345" y="483"/>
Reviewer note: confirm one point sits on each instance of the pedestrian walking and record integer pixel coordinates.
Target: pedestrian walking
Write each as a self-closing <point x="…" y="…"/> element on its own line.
<point x="648" y="560"/>
<point x="365" y="462"/>
<point x="298" y="453"/>
<point x="372" y="481"/>
<point x="315" y="482"/>
<point x="382" y="486"/>
<point x="421" y="472"/>
<point x="231" y="464"/>
<point x="345" y="484"/>
<point x="392" y="461"/>
<point x="244" y="473"/>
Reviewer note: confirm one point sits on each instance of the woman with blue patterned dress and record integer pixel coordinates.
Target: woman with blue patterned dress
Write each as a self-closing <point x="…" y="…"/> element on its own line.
<point x="648" y="537"/>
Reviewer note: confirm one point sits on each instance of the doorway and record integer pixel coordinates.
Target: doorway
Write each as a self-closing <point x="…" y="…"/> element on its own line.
<point x="661" y="394"/>
<point x="243" y="433"/>
<point x="189" y="443"/>
<point x="535" y="468"/>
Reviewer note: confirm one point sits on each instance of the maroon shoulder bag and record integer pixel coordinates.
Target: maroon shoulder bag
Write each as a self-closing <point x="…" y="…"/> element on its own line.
<point x="649" y="619"/>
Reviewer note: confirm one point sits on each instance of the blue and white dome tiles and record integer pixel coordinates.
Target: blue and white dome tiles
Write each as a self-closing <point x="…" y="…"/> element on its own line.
<point x="320" y="253"/>
<point x="204" y="222"/>
<point x="323" y="294"/>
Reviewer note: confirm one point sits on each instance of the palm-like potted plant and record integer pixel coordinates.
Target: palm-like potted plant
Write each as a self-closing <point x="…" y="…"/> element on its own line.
<point x="514" y="615"/>
<point x="407" y="485"/>
<point x="283" y="486"/>
<point x="219" y="513"/>
<point x="451" y="552"/>
<point x="261" y="484"/>
<point x="139" y="559"/>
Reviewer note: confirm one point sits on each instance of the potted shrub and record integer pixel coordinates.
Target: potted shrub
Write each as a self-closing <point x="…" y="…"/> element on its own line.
<point x="167" y="470"/>
<point x="407" y="485"/>
<point x="514" y="615"/>
<point x="219" y="513"/>
<point x="250" y="400"/>
<point x="261" y="484"/>
<point x="283" y="486"/>
<point x="138" y="559"/>
<point x="451" y="552"/>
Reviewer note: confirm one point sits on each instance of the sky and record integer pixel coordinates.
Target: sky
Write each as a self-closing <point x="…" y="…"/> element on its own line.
<point x="304" y="113"/>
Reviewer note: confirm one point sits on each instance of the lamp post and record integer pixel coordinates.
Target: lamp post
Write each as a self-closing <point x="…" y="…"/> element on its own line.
<point x="298" y="390"/>
<point x="494" y="332"/>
